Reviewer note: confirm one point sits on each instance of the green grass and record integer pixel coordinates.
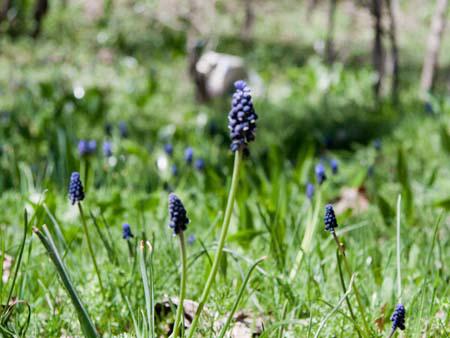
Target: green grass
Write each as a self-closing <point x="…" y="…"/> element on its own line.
<point x="301" y="122"/>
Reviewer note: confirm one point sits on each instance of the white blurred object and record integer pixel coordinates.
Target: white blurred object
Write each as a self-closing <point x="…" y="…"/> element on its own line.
<point x="220" y="71"/>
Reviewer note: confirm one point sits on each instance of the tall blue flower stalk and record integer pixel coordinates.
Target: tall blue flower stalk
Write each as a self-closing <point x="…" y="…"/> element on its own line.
<point x="178" y="222"/>
<point x="331" y="224"/>
<point x="76" y="196"/>
<point x="242" y="125"/>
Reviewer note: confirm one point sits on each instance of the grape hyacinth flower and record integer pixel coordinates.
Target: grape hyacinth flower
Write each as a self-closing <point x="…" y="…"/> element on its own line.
<point x="126" y="232"/>
<point x="330" y="219"/>
<point x="86" y="148"/>
<point x="168" y="148"/>
<point x="398" y="318"/>
<point x="320" y="173"/>
<point x="178" y="222"/>
<point x="107" y="149"/>
<point x="178" y="216"/>
<point x="334" y="166"/>
<point x="377" y="144"/>
<point x="242" y="118"/>
<point x="199" y="164"/>
<point x="191" y="239"/>
<point x="188" y="155"/>
<point x="174" y="169"/>
<point x="123" y="129"/>
<point x="310" y="190"/>
<point x="76" y="191"/>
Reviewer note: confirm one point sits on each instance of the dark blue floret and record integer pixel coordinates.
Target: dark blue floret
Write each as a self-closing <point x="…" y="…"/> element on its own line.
<point x="107" y="149"/>
<point x="86" y="147"/>
<point x="168" y="148"/>
<point x="126" y="231"/>
<point x="310" y="190"/>
<point x="188" y="155"/>
<point x="178" y="219"/>
<point x="76" y="191"/>
<point x="334" y="166"/>
<point x="174" y="169"/>
<point x="330" y="218"/>
<point x="199" y="164"/>
<point x="398" y="317"/>
<point x="123" y="129"/>
<point x="242" y="118"/>
<point x="377" y="144"/>
<point x="320" y="173"/>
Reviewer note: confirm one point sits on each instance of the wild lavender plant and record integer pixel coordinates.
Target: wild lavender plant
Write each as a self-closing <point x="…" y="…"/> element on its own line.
<point x="178" y="223"/>
<point x="76" y="195"/>
<point x="242" y="125"/>
<point x="331" y="224"/>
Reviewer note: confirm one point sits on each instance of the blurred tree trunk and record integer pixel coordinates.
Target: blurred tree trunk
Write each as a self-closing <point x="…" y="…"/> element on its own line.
<point x="4" y="8"/>
<point x="40" y="10"/>
<point x="378" y="50"/>
<point x="329" y="44"/>
<point x="434" y="44"/>
<point x="249" y="21"/>
<point x="392" y="11"/>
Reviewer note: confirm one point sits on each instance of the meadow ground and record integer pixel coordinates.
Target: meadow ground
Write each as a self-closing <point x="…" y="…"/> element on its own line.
<point x="125" y="84"/>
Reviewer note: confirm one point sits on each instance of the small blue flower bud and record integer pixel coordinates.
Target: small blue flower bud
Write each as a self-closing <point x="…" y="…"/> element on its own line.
<point x="330" y="218"/>
<point x="398" y="317"/>
<point x="191" y="239"/>
<point x="242" y="118"/>
<point x="76" y="191"/>
<point x="126" y="232"/>
<point x="334" y="166"/>
<point x="178" y="219"/>
<point x="199" y="164"/>
<point x="168" y="148"/>
<point x="107" y="149"/>
<point x="320" y="173"/>
<point x="188" y="155"/>
<point x="123" y="129"/>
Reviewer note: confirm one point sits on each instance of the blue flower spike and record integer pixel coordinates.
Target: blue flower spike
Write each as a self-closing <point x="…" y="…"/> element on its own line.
<point x="76" y="191"/>
<point x="178" y="219"/>
<point x="330" y="219"/>
<point x="398" y="318"/>
<point x="242" y="118"/>
<point x="320" y="173"/>
<point x="126" y="232"/>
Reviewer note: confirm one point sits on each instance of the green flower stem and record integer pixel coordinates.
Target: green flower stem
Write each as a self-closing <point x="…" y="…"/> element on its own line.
<point x="91" y="250"/>
<point x="240" y="294"/>
<point x="178" y="318"/>
<point x="221" y="244"/>
<point x="355" y="288"/>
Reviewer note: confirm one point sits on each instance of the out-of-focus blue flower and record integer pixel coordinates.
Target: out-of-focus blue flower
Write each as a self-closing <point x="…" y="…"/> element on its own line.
<point x="178" y="219"/>
<point x="126" y="232"/>
<point x="310" y="190"/>
<point x="168" y="148"/>
<point x="107" y="149"/>
<point x="123" y="129"/>
<point x="334" y="166"/>
<point x="242" y="118"/>
<point x="76" y="191"/>
<point x="330" y="218"/>
<point x="108" y="129"/>
<point x="320" y="173"/>
<point x="87" y="147"/>
<point x="189" y="155"/>
<point x="191" y="239"/>
<point x="199" y="164"/>
<point x="377" y="144"/>
<point x="398" y="318"/>
<point x="174" y="169"/>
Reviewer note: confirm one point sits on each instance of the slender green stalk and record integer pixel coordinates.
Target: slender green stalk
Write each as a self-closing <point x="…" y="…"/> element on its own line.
<point x="344" y="288"/>
<point x="305" y="247"/>
<point x="399" y="276"/>
<point x="223" y="235"/>
<point x="238" y="299"/>
<point x="19" y="259"/>
<point x="86" y="323"/>
<point x="148" y="287"/>
<point x="343" y="298"/>
<point x="179" y="316"/>
<point x="91" y="250"/>
<point x="355" y="288"/>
